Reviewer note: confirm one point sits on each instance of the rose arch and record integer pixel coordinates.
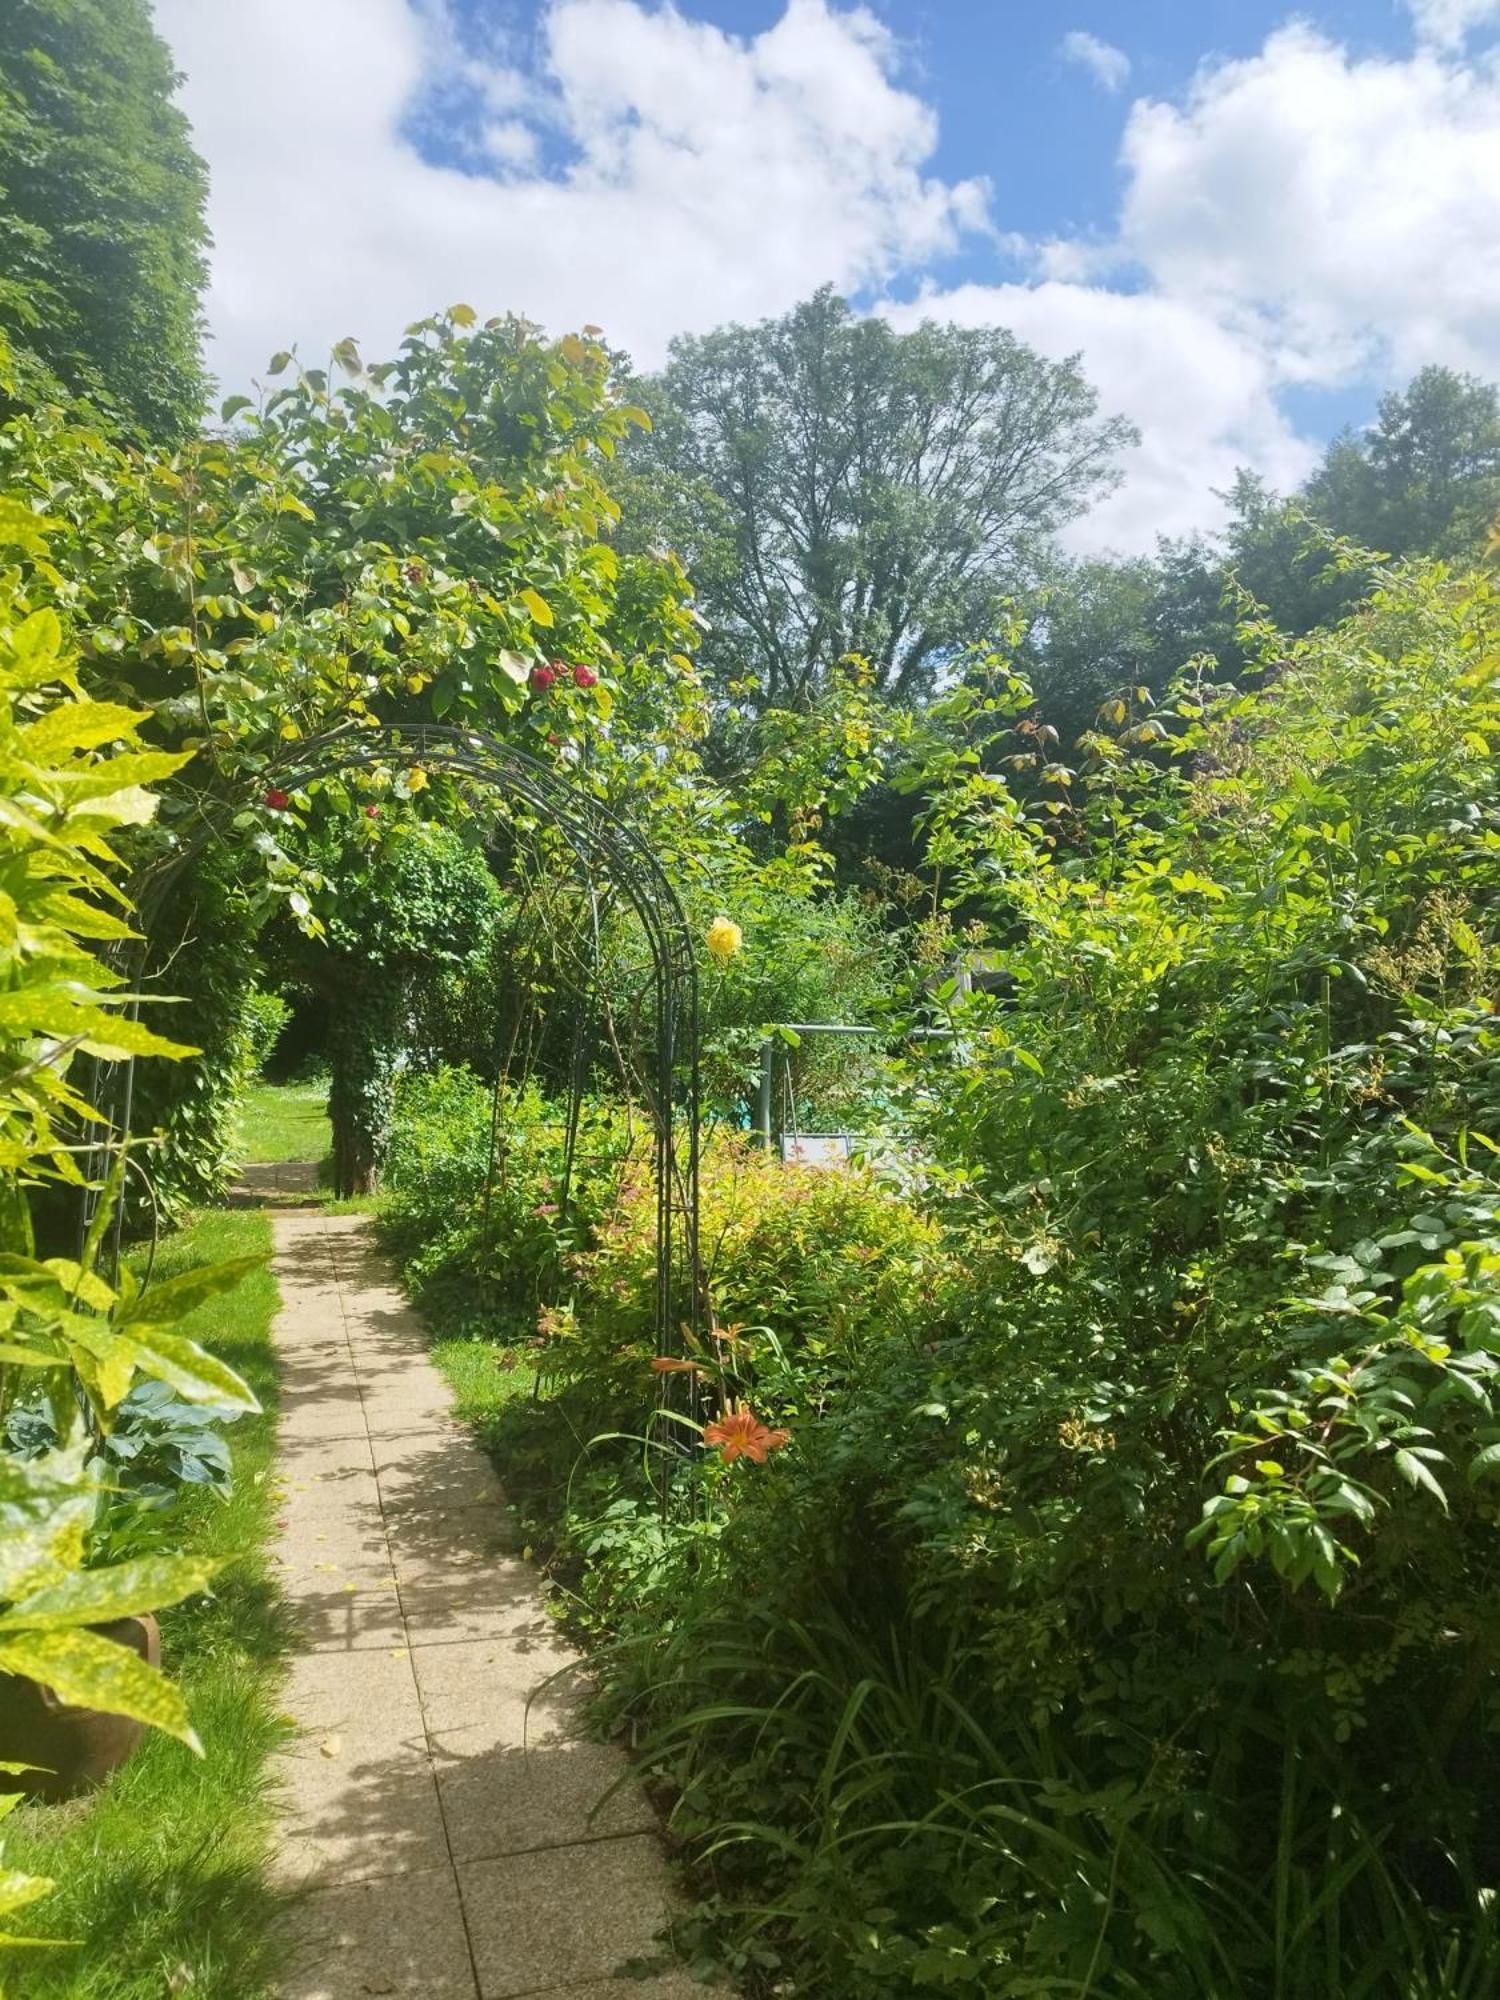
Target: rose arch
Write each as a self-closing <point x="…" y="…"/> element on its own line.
<point x="599" y="839"/>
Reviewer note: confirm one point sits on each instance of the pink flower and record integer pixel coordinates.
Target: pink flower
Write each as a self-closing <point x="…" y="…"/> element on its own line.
<point x="372" y="812"/>
<point x="585" y="677"/>
<point x="542" y="678"/>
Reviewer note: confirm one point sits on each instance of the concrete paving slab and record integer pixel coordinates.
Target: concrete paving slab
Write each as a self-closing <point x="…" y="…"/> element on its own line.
<point x="439" y="1801"/>
<point x="345" y="1621"/>
<point x="464" y="1540"/>
<point x="351" y="1942"/>
<point x="475" y="1681"/>
<point x="360" y="1795"/>
<point x="441" y="1610"/>
<point x="502" y="1797"/>
<point x="563" y="1915"/>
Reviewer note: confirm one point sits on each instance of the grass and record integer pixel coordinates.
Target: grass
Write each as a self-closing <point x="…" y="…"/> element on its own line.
<point x="161" y="1873"/>
<point x="284" y="1121"/>
<point x="481" y="1384"/>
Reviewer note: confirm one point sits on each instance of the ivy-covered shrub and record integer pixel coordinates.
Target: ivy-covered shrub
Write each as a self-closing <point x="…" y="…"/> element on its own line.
<point x="399" y="899"/>
<point x="203" y="956"/>
<point x="266" y="1017"/>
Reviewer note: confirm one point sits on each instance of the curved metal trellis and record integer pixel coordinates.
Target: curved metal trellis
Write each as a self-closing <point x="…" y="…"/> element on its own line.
<point x="598" y="837"/>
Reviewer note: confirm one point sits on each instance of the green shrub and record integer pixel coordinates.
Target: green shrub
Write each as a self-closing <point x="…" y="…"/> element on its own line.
<point x="480" y="1208"/>
<point x="1117" y="1618"/>
<point x="266" y="1015"/>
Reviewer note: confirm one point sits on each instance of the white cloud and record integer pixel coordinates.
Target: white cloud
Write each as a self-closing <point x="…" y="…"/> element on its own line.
<point x="1303" y="217"/>
<point x="1353" y="203"/>
<point x="702" y="176"/>
<point x="1447" y="24"/>
<point x="1107" y="65"/>
<point x="1201" y="394"/>
<point x="1299" y="216"/>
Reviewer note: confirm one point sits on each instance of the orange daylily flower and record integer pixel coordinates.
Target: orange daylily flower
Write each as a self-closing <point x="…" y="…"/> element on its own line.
<point x="741" y="1434"/>
<point x="668" y="1364"/>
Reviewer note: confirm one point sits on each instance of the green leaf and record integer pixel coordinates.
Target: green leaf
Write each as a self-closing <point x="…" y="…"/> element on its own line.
<point x="540" y="609"/>
<point x="16" y="1891"/>
<point x="231" y="407"/>
<point x="162" y="1305"/>
<point x="96" y="1596"/>
<point x="77" y="725"/>
<point x="35" y="646"/>
<point x="1416" y="1474"/>
<point x="88" y="1671"/>
<point x="192" y="1371"/>
<point x="22" y="528"/>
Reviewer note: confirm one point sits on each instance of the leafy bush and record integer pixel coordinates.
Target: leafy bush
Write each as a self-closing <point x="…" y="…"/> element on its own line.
<point x="266" y="1016"/>
<point x="1115" y="1617"/>
<point x="74" y="1338"/>
<point x="479" y="1204"/>
<point x="204" y="938"/>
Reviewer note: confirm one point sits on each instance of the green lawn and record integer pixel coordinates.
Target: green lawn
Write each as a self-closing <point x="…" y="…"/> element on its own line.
<point x="283" y="1121"/>
<point x="161" y="1873"/>
<point x="482" y="1385"/>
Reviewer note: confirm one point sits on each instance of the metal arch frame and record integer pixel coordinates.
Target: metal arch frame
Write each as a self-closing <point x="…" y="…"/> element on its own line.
<point x="592" y="829"/>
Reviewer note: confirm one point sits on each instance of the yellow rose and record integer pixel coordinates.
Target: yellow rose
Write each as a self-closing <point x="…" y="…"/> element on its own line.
<point x="724" y="940"/>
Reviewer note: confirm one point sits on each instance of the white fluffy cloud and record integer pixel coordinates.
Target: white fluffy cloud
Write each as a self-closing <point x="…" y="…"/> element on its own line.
<point x="1301" y="216"/>
<point x="696" y="177"/>
<point x="1354" y="203"/>
<point x="1449" y="23"/>
<point x="1201" y="395"/>
<point x="1107" y="65"/>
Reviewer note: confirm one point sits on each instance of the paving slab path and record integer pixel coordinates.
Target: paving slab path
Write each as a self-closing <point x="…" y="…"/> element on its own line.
<point x="445" y="1819"/>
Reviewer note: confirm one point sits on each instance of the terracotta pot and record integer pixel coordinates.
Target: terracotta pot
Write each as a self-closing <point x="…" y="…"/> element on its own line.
<point x="75" y="1749"/>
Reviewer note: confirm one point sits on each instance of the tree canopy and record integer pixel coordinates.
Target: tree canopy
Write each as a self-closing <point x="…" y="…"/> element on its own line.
<point x="102" y="230"/>
<point x="836" y="488"/>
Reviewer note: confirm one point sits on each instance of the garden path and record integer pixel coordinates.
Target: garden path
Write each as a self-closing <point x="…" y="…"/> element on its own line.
<point x="443" y="1815"/>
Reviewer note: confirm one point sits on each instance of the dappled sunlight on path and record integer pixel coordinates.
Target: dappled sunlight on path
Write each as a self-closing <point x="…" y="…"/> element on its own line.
<point x="452" y="1831"/>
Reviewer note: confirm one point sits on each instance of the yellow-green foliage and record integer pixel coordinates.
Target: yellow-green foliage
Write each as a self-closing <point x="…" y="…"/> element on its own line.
<point x="824" y="1261"/>
<point x="71" y="774"/>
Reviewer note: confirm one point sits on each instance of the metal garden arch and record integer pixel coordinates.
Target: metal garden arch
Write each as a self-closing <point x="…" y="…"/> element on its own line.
<point x="597" y="836"/>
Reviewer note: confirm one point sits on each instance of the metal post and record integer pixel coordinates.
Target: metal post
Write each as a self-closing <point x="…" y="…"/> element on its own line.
<point x="763" y="1095"/>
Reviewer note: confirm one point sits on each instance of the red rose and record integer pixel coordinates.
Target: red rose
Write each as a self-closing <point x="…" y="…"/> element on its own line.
<point x="585" y="677"/>
<point x="542" y="678"/>
<point x="278" y="801"/>
<point x="372" y="812"/>
<point x="553" y="737"/>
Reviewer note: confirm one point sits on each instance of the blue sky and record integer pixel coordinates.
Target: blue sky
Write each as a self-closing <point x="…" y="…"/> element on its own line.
<point x="1010" y="104"/>
<point x="1249" y="220"/>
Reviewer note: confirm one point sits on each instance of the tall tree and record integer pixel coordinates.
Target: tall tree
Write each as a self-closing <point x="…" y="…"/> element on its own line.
<point x="1422" y="480"/>
<point x="836" y="487"/>
<point x="102" y="228"/>
<point x="1425" y="478"/>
